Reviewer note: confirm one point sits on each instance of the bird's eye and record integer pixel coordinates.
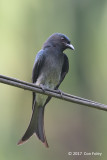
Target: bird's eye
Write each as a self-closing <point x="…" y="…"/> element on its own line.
<point x="62" y="38"/>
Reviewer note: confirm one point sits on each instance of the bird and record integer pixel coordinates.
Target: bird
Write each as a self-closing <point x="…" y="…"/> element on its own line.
<point x="50" y="68"/>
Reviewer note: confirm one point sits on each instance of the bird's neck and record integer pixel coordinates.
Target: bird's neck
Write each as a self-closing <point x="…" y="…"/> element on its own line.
<point x="46" y="45"/>
<point x="54" y="48"/>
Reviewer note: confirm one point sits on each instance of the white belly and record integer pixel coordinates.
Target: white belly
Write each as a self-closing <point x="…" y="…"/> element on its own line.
<point x="40" y="98"/>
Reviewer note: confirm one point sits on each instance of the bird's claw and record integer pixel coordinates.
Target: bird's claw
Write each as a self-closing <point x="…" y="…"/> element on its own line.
<point x="61" y="93"/>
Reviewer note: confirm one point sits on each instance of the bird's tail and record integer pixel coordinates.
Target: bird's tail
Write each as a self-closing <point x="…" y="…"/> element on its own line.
<point x="36" y="126"/>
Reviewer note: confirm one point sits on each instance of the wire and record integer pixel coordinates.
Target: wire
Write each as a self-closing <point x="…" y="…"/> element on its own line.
<point x="53" y="93"/>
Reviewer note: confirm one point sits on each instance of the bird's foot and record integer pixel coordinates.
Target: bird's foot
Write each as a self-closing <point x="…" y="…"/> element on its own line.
<point x="43" y="87"/>
<point x="61" y="93"/>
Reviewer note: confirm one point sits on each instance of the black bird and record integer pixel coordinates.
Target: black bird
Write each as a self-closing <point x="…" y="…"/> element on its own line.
<point x="50" y="67"/>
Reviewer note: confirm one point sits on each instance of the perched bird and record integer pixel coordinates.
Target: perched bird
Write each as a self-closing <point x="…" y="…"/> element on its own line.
<point x="50" y="67"/>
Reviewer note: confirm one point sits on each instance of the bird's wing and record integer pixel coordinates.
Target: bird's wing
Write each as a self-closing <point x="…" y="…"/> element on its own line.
<point x="65" y="69"/>
<point x="39" y="61"/>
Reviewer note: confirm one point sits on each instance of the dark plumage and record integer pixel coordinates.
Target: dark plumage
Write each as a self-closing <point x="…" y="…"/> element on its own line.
<point x="50" y="67"/>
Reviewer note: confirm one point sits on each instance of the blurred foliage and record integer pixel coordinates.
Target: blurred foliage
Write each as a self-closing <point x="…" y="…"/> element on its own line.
<point x="24" y="26"/>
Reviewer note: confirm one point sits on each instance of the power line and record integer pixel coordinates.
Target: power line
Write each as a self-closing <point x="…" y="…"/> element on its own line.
<point x="53" y="93"/>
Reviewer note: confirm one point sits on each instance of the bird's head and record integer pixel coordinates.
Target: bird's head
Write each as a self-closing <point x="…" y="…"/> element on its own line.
<point x="59" y="41"/>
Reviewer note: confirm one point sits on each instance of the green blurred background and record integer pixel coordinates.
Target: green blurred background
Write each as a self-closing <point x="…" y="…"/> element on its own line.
<point x="24" y="26"/>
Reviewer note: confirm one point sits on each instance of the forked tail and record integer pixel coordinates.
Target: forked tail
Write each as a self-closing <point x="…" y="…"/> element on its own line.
<point x="36" y="126"/>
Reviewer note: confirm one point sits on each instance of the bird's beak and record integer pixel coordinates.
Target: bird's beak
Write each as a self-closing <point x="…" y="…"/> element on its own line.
<point x="70" y="46"/>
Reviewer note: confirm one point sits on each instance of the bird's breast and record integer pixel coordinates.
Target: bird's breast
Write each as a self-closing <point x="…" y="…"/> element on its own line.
<point x="49" y="76"/>
<point x="51" y="72"/>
